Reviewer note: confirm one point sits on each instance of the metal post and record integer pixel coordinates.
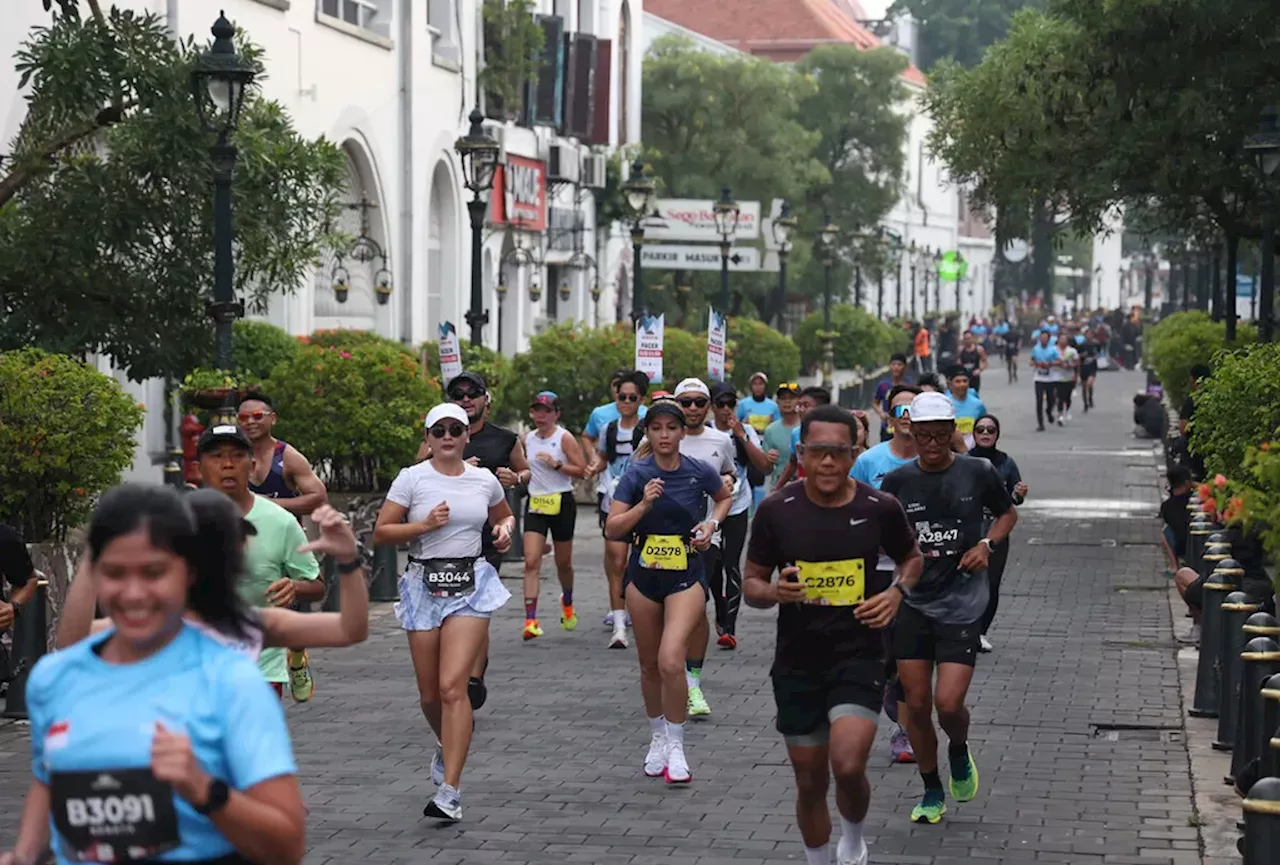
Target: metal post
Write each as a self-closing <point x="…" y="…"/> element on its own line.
<point x="224" y="309"/>
<point x="1198" y="533"/>
<point x="1236" y="609"/>
<point x="897" y="292"/>
<point x="1267" y="280"/>
<point x="725" y="249"/>
<point x="1216" y="287"/>
<point x="1261" y="661"/>
<point x="913" y="289"/>
<point x="828" y="341"/>
<point x="1186" y="280"/>
<point x="1208" y="691"/>
<point x="477" y="317"/>
<point x="1229" y="294"/>
<point x="1261" y="842"/>
<point x="1268" y="754"/>
<point x="879" y="294"/>
<point x="1148" y="287"/>
<point x="857" y="285"/>
<point x="637" y="286"/>
<point x="780" y="321"/>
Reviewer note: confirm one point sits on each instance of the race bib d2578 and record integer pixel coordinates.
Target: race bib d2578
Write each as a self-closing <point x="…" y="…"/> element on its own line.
<point x="664" y="553"/>
<point x="835" y="584"/>
<point x="120" y="815"/>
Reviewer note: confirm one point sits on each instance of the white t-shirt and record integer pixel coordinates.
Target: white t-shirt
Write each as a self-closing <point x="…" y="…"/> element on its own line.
<point x="469" y="496"/>
<point x="543" y="479"/>
<point x="711" y="446"/>
<point x="741" y="489"/>
<point x="1071" y="358"/>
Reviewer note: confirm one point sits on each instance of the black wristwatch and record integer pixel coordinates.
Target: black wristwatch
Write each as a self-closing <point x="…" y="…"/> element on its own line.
<point x="901" y="589"/>
<point x="216" y="799"/>
<point x="353" y="565"/>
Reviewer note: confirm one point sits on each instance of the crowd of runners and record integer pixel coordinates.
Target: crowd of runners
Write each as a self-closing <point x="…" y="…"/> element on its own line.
<point x="884" y="560"/>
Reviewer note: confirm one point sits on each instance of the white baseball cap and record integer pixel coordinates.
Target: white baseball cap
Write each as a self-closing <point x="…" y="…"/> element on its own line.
<point x="930" y="406"/>
<point x="447" y="411"/>
<point x="693" y="385"/>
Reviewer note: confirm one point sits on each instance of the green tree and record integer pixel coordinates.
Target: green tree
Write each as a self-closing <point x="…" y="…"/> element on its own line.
<point x="106" y="224"/>
<point x="959" y="30"/>
<point x="864" y="340"/>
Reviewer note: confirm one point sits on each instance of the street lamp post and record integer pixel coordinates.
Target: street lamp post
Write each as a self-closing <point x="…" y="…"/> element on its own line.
<point x="783" y="226"/>
<point x="937" y="280"/>
<point x="827" y="238"/>
<point x="219" y="82"/>
<point x="478" y="151"/>
<point x="1148" y="280"/>
<point x="1264" y="145"/>
<point x="727" y="212"/>
<point x="639" y="191"/>
<point x="925" y="255"/>
<point x="913" y="256"/>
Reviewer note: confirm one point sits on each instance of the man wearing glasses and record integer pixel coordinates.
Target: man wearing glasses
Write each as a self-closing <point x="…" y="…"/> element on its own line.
<point x="777" y="436"/>
<point x="944" y="495"/>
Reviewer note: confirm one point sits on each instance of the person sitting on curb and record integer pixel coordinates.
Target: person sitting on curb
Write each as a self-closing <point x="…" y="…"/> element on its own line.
<point x="1175" y="516"/>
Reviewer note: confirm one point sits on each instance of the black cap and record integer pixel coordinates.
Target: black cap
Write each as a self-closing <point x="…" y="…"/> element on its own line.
<point x="473" y="377"/>
<point x="667" y="407"/>
<point x="721" y="388"/>
<point x="220" y="433"/>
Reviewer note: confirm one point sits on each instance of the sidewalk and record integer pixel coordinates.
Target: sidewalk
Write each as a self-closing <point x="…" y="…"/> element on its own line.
<point x="1077" y="715"/>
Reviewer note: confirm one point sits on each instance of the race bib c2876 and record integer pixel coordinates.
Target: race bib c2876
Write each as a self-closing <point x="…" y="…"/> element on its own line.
<point x="835" y="584"/>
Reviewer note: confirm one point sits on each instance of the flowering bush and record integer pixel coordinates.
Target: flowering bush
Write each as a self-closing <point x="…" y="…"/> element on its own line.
<point x="67" y="432"/>
<point x="1237" y="407"/>
<point x="356" y="412"/>
<point x="864" y="341"/>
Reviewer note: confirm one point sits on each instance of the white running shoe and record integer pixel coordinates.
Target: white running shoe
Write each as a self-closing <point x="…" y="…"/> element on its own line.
<point x="446" y="805"/>
<point x="619" y="639"/>
<point x="655" y="762"/>
<point x="984" y="645"/>
<point x="437" y="765"/>
<point x="677" y="770"/>
<point x="1068" y="414"/>
<point x="860" y="859"/>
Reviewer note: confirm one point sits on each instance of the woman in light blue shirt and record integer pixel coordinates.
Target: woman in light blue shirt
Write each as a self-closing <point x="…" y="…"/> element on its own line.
<point x="156" y="740"/>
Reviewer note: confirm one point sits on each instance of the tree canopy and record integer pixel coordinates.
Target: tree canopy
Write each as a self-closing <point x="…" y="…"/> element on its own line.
<point x="106" y="215"/>
<point x="959" y="30"/>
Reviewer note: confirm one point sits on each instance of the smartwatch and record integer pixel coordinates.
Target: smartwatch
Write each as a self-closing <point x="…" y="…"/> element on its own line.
<point x="353" y="565"/>
<point x="989" y="544"/>
<point x="216" y="799"/>
<point x="900" y="587"/>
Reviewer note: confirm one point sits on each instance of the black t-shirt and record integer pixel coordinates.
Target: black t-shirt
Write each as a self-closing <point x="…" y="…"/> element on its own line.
<point x="1188" y="408"/>
<point x="971" y="362"/>
<point x="1152" y="417"/>
<point x="15" y="563"/>
<point x="946" y="509"/>
<point x="492" y="445"/>
<point x="789" y="528"/>
<point x="1089" y="352"/>
<point x="1176" y="516"/>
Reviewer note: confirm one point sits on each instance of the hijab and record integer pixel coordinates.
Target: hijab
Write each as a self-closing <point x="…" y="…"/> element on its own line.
<point x="993" y="454"/>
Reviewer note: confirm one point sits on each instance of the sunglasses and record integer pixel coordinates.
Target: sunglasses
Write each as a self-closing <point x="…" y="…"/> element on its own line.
<point x="902" y="411"/>
<point x="628" y="397"/>
<point x="937" y="437"/>
<point x="453" y="430"/>
<point x="690" y="401"/>
<point x="821" y="451"/>
<point x="253" y="415"/>
<point x="726" y="402"/>
<point x="985" y="430"/>
<point x="460" y="395"/>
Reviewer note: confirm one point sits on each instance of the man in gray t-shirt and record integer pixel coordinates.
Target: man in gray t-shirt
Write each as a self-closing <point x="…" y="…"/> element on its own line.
<point x="944" y="495"/>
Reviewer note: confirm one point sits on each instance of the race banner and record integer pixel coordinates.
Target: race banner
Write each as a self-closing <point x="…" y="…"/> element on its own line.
<point x="716" y="327"/>
<point x="649" y="346"/>
<point x="450" y="353"/>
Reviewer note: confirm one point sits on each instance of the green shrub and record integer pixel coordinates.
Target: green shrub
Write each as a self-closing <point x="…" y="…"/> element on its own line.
<point x="258" y="347"/>
<point x="754" y="346"/>
<point x="864" y="340"/>
<point x="355" y="412"/>
<point x="348" y="339"/>
<point x="1238" y="407"/>
<point x="67" y="432"/>
<point x="1178" y="342"/>
<point x="495" y="368"/>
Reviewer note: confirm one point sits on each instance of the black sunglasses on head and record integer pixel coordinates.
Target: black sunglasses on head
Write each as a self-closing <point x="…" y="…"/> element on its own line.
<point x="455" y="430"/>
<point x="689" y="401"/>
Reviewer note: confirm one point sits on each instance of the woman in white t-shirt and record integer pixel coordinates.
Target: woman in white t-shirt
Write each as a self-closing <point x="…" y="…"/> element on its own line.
<point x="448" y="592"/>
<point x="555" y="459"/>
<point x="1065" y="376"/>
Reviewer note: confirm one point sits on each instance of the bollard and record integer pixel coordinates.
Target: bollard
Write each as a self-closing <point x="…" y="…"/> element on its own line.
<point x="1211" y="557"/>
<point x="516" y="553"/>
<point x="1236" y="609"/>
<point x="1198" y="533"/>
<point x="386" y="574"/>
<point x="1268" y="756"/>
<point x="1221" y="582"/>
<point x="1261" y="657"/>
<point x="1261" y="842"/>
<point x="30" y="640"/>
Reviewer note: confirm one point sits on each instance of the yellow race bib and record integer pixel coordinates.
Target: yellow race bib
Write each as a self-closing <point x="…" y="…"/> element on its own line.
<point x="664" y="553"/>
<point x="835" y="584"/>
<point x="548" y="505"/>
<point x="965" y="424"/>
<point x="759" y="422"/>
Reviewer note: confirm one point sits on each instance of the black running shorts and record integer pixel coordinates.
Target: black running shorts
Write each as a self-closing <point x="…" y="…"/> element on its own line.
<point x="916" y="637"/>
<point x="560" y="526"/>
<point x="809" y="702"/>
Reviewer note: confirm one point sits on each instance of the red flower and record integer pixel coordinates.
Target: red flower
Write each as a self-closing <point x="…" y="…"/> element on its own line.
<point x="1265" y="446"/>
<point x="1219" y="481"/>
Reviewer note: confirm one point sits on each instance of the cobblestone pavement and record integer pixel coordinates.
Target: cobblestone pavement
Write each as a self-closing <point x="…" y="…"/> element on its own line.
<point x="1076" y="716"/>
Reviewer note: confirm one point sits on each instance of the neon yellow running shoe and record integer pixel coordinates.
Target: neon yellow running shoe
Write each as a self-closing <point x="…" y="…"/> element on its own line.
<point x="532" y="629"/>
<point x="301" y="685"/>
<point x="698" y="702"/>
<point x="568" y="618"/>
<point x="964" y="778"/>
<point x="931" y="808"/>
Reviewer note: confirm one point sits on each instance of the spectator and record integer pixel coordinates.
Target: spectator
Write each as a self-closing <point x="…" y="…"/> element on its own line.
<point x="1150" y="419"/>
<point x="1175" y="516"/>
<point x="17" y="587"/>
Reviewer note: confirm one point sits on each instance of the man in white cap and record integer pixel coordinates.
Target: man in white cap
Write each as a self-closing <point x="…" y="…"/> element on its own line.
<point x="944" y="495"/>
<point x="715" y="448"/>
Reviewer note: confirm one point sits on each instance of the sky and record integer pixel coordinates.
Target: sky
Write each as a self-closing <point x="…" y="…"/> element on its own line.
<point x="875" y="8"/>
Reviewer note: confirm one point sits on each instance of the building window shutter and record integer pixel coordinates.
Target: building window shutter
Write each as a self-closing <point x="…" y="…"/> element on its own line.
<point x="572" y="44"/>
<point x="601" y="88"/>
<point x="580" y="104"/>
<point x="547" y="103"/>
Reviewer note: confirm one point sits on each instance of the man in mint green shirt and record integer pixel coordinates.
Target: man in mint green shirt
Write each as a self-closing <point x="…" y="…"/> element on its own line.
<point x="277" y="575"/>
<point x="777" y="435"/>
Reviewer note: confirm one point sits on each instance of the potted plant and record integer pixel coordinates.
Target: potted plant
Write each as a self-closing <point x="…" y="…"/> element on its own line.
<point x="513" y="44"/>
<point x="210" y="388"/>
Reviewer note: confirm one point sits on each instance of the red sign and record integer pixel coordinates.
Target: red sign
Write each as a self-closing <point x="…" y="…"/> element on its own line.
<point x="519" y="195"/>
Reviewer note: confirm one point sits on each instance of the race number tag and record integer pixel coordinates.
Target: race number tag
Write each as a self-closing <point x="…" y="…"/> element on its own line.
<point x="548" y="505"/>
<point x="449" y="578"/>
<point x="834" y="584"/>
<point x="759" y="422"/>
<point x="664" y="553"/>
<point x="965" y="425"/>
<point x="113" y="816"/>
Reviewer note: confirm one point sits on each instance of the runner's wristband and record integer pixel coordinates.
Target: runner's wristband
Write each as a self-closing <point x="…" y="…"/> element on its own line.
<point x="902" y="590"/>
<point x="348" y="567"/>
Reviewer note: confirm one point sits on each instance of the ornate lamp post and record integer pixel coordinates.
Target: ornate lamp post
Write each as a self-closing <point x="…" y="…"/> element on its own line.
<point x="914" y="258"/>
<point x="1264" y="146"/>
<point x="827" y="237"/>
<point x="727" y="212"/>
<point x="478" y="152"/>
<point x="219" y="82"/>
<point x="639" y="191"/>
<point x="783" y="226"/>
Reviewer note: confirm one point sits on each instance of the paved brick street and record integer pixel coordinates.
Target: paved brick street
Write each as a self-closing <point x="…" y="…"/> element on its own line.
<point x="1077" y="714"/>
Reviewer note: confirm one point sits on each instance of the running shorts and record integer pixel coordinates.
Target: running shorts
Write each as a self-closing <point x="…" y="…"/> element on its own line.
<point x="809" y="702"/>
<point x="560" y="526"/>
<point x="1088" y="370"/>
<point x="916" y="637"/>
<point x="659" y="585"/>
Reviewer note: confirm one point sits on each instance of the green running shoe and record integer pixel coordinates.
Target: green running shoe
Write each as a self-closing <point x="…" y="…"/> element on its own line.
<point x="698" y="703"/>
<point x="964" y="778"/>
<point x="931" y="808"/>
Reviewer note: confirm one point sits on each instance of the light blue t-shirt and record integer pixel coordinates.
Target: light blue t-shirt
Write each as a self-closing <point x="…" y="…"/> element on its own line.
<point x="758" y="413"/>
<point x="88" y="715"/>
<point x="968" y="410"/>
<point x="602" y="416"/>
<point x="795" y="437"/>
<point x="873" y="464"/>
<point x="1044" y="354"/>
